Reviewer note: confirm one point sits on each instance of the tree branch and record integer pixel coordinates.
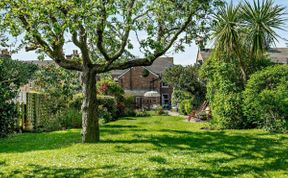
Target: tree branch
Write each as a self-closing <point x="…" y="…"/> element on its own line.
<point x="127" y="31"/>
<point x="100" y="32"/>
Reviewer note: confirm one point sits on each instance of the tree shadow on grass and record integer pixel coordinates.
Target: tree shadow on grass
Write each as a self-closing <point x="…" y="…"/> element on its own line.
<point x="34" y="170"/>
<point x="39" y="141"/>
<point x="270" y="152"/>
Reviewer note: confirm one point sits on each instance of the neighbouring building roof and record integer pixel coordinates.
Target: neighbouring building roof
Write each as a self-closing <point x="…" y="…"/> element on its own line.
<point x="158" y="66"/>
<point x="277" y="55"/>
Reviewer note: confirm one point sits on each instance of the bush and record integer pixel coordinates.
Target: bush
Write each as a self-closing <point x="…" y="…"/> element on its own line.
<point x="224" y="92"/>
<point x="266" y="99"/>
<point x="13" y="74"/>
<point x="128" y="110"/>
<point x="107" y="107"/>
<point x="142" y="114"/>
<point x="227" y="111"/>
<point x="160" y="111"/>
<point x="71" y="118"/>
<point x="8" y="117"/>
<point x="186" y="106"/>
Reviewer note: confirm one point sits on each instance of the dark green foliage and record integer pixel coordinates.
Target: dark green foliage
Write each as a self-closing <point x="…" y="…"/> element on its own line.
<point x="186" y="82"/>
<point x="107" y="107"/>
<point x="266" y="99"/>
<point x="8" y="117"/>
<point x="186" y="106"/>
<point x="224" y="89"/>
<point x="71" y="118"/>
<point x="13" y="74"/>
<point x="145" y="73"/>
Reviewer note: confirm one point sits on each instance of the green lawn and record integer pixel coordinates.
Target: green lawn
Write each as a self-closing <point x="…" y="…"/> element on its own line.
<point x="147" y="147"/>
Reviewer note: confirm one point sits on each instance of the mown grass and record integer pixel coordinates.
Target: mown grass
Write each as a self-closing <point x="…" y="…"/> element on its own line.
<point x="147" y="147"/>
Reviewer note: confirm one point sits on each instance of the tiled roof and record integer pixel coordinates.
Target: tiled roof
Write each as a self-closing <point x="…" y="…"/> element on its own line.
<point x="157" y="67"/>
<point x="278" y="55"/>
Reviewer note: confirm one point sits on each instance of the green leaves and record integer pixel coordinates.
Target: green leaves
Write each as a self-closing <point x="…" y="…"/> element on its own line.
<point x="266" y="98"/>
<point x="261" y="21"/>
<point x="249" y="25"/>
<point x="104" y="30"/>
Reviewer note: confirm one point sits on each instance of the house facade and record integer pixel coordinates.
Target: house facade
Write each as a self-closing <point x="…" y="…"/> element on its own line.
<point x="138" y="81"/>
<point x="277" y="55"/>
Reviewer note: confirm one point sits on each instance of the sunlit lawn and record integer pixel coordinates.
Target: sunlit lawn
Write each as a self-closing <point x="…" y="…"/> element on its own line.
<point x="147" y="147"/>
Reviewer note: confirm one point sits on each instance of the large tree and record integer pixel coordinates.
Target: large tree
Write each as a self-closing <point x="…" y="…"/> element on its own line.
<point x="105" y="32"/>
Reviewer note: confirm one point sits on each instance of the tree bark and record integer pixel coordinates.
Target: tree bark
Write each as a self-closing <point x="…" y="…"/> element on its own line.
<point x="90" y="122"/>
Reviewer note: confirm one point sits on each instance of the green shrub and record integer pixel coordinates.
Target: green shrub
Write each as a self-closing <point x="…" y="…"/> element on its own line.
<point x="266" y="99"/>
<point x="186" y="106"/>
<point x="104" y="114"/>
<point x="160" y="111"/>
<point x="128" y="101"/>
<point x="182" y="108"/>
<point x="8" y="117"/>
<point x="107" y="107"/>
<point x="142" y="114"/>
<point x="71" y="118"/>
<point x="227" y="111"/>
<point x="224" y="92"/>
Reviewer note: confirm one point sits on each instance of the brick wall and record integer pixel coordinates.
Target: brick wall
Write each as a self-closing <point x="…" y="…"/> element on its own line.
<point x="133" y="80"/>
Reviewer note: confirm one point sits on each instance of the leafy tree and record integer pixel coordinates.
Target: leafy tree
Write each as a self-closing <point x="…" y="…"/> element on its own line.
<point x="185" y="79"/>
<point x="102" y="30"/>
<point x="261" y="20"/>
<point x="13" y="74"/>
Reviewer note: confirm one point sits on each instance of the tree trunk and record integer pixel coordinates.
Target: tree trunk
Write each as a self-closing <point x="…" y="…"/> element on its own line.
<point x="90" y="122"/>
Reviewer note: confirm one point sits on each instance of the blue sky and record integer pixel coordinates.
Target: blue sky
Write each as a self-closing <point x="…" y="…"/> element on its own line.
<point x="183" y="58"/>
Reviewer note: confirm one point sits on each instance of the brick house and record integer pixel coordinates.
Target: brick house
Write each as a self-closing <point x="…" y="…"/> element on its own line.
<point x="137" y="81"/>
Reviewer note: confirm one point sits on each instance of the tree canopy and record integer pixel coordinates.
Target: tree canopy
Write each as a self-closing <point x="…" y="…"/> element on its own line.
<point x="102" y="30"/>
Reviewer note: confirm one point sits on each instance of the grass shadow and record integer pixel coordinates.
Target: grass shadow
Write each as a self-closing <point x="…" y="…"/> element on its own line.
<point x="39" y="141"/>
<point x="34" y="170"/>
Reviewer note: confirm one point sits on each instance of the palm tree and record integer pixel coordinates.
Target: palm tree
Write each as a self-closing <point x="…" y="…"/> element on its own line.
<point x="227" y="34"/>
<point x="261" y="20"/>
<point x="249" y="25"/>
